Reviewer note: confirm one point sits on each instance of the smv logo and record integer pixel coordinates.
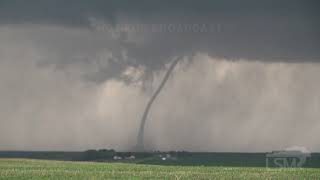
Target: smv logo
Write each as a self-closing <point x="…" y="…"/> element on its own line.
<point x="287" y="159"/>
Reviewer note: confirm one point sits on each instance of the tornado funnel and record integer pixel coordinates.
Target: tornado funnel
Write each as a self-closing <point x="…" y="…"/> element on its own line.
<point x="140" y="140"/>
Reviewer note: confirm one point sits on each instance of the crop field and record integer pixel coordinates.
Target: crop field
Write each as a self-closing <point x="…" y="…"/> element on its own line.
<point x="44" y="169"/>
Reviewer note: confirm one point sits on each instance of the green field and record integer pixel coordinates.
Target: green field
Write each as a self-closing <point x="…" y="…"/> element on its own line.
<point x="43" y="169"/>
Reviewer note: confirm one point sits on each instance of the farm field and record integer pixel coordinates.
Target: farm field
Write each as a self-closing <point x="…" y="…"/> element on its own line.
<point x="44" y="169"/>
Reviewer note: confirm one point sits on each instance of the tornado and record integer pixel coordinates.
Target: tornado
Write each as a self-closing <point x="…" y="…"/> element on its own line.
<point x="140" y="140"/>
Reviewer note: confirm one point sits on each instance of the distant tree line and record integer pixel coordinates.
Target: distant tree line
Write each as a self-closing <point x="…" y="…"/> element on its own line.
<point x="95" y="155"/>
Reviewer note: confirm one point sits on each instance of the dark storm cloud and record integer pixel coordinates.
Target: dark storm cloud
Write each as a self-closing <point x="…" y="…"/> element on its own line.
<point x="259" y="30"/>
<point x="76" y="11"/>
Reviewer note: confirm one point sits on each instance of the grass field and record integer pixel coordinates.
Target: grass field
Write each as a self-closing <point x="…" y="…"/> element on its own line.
<point x="42" y="169"/>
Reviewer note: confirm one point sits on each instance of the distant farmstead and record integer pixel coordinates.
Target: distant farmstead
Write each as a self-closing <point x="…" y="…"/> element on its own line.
<point x="131" y="157"/>
<point x="117" y="158"/>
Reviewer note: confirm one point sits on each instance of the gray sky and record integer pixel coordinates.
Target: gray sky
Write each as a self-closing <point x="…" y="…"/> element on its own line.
<point x="77" y="74"/>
